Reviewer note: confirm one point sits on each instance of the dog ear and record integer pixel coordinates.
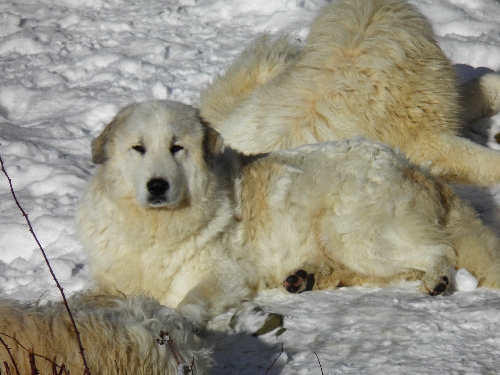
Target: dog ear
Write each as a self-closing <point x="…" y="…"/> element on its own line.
<point x="212" y="142"/>
<point x="99" y="155"/>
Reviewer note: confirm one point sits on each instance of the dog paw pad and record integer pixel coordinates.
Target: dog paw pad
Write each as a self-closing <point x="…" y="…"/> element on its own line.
<point x="299" y="282"/>
<point x="441" y="287"/>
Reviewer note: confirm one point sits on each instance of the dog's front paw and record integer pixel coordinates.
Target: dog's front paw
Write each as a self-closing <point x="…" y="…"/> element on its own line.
<point x="250" y="317"/>
<point x="441" y="287"/>
<point x="299" y="282"/>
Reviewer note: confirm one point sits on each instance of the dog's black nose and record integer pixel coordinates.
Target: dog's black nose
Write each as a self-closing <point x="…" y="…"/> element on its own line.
<point x="157" y="187"/>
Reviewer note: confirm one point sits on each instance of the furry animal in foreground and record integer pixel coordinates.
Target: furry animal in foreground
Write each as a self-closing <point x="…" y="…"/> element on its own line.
<point x="119" y="335"/>
<point x="169" y="214"/>
<point x="370" y="68"/>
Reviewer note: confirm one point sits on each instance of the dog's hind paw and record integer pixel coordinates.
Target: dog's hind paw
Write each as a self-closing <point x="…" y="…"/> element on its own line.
<point x="441" y="287"/>
<point x="299" y="282"/>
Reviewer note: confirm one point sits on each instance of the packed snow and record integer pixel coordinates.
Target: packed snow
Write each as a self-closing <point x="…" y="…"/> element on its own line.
<point x="67" y="66"/>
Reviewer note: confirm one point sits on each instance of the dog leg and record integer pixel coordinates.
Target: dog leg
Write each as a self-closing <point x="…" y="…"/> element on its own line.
<point x="300" y="281"/>
<point x="405" y="249"/>
<point x="477" y="246"/>
<point x="215" y="296"/>
<point x="455" y="159"/>
<point x="441" y="287"/>
<point x="436" y="280"/>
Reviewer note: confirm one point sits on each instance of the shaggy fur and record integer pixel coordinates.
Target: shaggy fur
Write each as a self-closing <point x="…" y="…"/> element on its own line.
<point x="349" y="212"/>
<point x="370" y="68"/>
<point x="119" y="336"/>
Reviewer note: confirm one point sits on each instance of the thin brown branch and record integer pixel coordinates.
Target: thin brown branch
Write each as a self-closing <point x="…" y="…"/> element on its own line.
<point x="321" y="367"/>
<point x="7" y="369"/>
<point x="165" y="338"/>
<point x="31" y="358"/>
<point x="63" y="371"/>
<point x="11" y="358"/>
<point x="52" y="362"/>
<point x="25" y="215"/>
<point x="275" y="359"/>
<point x="192" y="365"/>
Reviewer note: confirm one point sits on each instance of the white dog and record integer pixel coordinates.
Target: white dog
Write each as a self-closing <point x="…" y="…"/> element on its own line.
<point x="370" y="68"/>
<point x="120" y="336"/>
<point x="163" y="216"/>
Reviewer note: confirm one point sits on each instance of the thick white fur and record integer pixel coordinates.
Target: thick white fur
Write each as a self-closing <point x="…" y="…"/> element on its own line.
<point x="350" y="212"/>
<point x="370" y="68"/>
<point x="119" y="336"/>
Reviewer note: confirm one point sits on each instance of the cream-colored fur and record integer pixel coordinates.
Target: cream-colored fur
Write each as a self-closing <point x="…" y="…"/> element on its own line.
<point x="349" y="212"/>
<point x="370" y="68"/>
<point x="119" y="336"/>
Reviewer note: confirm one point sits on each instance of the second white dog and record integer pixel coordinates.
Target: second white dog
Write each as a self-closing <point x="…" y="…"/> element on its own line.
<point x="370" y="68"/>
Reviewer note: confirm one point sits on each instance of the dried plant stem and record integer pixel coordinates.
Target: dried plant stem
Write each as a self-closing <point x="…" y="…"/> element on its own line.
<point x="275" y="359"/>
<point x="192" y="365"/>
<point x="182" y="366"/>
<point x="321" y="367"/>
<point x="31" y="358"/>
<point x="86" y="368"/>
<point x="11" y="358"/>
<point x="7" y="368"/>
<point x="52" y="362"/>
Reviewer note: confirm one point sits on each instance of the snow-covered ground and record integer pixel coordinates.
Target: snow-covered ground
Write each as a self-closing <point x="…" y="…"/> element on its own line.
<point x="67" y="66"/>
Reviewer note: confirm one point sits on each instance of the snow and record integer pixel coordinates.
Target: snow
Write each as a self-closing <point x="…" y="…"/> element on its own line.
<point x="67" y="66"/>
<point x="464" y="281"/>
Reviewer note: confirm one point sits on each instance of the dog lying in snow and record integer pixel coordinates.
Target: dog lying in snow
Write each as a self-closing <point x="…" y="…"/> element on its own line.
<point x="370" y="68"/>
<point x="169" y="214"/>
<point x="120" y="336"/>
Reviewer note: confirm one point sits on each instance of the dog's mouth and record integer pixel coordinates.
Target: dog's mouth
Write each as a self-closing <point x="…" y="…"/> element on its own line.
<point x="157" y="202"/>
<point x="158" y="189"/>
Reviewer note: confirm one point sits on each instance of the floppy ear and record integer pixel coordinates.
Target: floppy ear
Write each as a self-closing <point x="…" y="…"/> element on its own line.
<point x="99" y="155"/>
<point x="212" y="142"/>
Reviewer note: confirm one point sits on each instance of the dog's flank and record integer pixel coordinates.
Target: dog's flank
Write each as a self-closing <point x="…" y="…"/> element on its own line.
<point x="347" y="212"/>
<point x="369" y="68"/>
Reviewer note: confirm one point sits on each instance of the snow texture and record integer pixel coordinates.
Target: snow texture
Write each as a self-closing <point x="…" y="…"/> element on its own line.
<point x="67" y="66"/>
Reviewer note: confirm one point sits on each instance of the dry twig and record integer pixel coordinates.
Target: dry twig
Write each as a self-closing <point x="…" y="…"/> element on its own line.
<point x="182" y="366"/>
<point x="52" y="362"/>
<point x="321" y="367"/>
<point x="86" y="368"/>
<point x="7" y="369"/>
<point x="275" y="359"/>
<point x="31" y="358"/>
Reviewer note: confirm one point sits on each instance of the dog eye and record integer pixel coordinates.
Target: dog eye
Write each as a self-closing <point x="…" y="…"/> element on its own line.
<point x="176" y="148"/>
<point x="141" y="150"/>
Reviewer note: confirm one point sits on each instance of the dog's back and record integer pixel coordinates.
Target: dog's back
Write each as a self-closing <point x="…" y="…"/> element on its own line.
<point x="369" y="68"/>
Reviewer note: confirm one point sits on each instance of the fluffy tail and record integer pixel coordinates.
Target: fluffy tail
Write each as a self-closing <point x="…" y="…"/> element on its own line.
<point x="267" y="58"/>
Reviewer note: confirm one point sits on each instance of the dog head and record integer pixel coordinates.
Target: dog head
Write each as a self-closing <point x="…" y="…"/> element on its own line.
<point x="157" y="152"/>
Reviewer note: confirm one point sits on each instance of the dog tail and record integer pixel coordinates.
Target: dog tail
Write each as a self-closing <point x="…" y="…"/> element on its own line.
<point x="267" y="58"/>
